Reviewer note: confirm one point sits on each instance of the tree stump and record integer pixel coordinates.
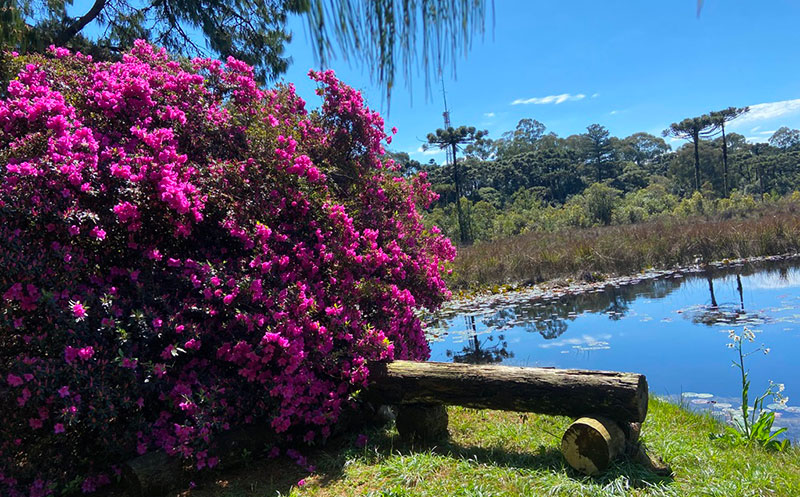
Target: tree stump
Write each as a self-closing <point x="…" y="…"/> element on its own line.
<point x="591" y="443"/>
<point x="422" y="423"/>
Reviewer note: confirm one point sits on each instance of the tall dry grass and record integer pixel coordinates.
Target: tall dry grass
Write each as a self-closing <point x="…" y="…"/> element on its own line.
<point x="625" y="249"/>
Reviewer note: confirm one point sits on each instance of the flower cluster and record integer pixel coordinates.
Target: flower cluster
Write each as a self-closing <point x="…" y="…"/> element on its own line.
<point x="184" y="252"/>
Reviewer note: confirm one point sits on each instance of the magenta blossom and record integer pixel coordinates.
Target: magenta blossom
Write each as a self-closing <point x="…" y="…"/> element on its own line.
<point x="244" y="258"/>
<point x="79" y="310"/>
<point x="14" y="380"/>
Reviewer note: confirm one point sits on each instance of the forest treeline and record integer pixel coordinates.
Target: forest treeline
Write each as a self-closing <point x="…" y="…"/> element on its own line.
<point x="533" y="180"/>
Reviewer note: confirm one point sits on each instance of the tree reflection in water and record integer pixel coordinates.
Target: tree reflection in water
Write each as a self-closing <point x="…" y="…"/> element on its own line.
<point x="726" y="313"/>
<point x="477" y="352"/>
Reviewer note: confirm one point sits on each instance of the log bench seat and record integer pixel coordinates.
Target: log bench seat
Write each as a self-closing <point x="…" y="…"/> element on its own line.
<point x="610" y="406"/>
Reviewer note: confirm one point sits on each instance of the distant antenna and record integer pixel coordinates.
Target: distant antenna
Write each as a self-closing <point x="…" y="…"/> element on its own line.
<point x="450" y="157"/>
<point x="446" y="113"/>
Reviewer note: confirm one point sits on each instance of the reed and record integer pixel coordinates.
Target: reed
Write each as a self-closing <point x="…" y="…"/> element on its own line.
<point x="617" y="250"/>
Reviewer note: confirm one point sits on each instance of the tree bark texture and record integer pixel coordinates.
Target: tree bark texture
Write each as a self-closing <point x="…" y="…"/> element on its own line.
<point x="567" y="392"/>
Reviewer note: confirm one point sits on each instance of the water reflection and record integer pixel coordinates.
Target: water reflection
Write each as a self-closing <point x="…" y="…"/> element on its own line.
<point x="727" y="313"/>
<point x="547" y="315"/>
<point x="550" y="315"/>
<point x="673" y="328"/>
<point x="479" y="351"/>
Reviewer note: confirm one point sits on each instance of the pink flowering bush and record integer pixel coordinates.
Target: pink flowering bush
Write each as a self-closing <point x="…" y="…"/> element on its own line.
<point x="183" y="252"/>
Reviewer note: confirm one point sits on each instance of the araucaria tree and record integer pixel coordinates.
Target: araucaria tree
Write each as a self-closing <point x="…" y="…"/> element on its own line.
<point x="719" y="118"/>
<point x="452" y="138"/>
<point x="599" y="151"/>
<point x="183" y="252"/>
<point x="693" y="128"/>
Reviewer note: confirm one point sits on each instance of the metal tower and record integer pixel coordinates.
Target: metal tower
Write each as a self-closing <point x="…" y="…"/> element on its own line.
<point x="449" y="152"/>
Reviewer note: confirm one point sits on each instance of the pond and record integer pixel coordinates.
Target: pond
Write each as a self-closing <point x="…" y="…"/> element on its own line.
<point x="672" y="327"/>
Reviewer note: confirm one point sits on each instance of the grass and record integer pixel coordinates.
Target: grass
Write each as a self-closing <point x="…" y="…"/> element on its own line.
<point x="505" y="453"/>
<point x="625" y="249"/>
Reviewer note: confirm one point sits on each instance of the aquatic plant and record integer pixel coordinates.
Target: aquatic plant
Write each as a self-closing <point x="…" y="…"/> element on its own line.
<point x="755" y="425"/>
<point x="183" y="252"/>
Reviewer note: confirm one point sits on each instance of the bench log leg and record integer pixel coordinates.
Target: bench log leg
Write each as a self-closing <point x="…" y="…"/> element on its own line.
<point x="591" y="443"/>
<point x="422" y="423"/>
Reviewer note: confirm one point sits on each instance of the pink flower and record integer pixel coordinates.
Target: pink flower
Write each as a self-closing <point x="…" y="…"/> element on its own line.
<point x="70" y="354"/>
<point x="159" y="370"/>
<point x="63" y="391"/>
<point x="78" y="310"/>
<point x="58" y="428"/>
<point x="301" y="483"/>
<point x="14" y="380"/>
<point x="98" y="233"/>
<point x="86" y="353"/>
<point x="126" y="212"/>
<point x="361" y="441"/>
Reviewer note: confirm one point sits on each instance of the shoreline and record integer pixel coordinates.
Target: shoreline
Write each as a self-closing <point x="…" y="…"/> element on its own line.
<point x="558" y="288"/>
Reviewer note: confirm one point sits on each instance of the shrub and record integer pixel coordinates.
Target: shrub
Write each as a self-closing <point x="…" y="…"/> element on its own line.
<point x="183" y="252"/>
<point x="600" y="201"/>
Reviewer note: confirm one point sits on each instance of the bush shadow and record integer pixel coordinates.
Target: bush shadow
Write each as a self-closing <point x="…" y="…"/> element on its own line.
<point x="277" y="476"/>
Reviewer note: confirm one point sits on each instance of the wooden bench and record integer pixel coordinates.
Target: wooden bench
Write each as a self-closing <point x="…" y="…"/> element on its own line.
<point x="610" y="406"/>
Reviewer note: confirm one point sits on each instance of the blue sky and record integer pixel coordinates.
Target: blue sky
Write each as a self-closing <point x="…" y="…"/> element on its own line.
<point x="628" y="65"/>
<point x="633" y="65"/>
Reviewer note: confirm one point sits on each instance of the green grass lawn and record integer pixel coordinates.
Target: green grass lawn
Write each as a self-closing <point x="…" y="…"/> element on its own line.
<point x="506" y="453"/>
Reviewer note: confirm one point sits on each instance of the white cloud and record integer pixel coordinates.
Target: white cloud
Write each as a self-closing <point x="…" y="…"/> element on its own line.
<point x="595" y="95"/>
<point x="766" y="132"/>
<point x="614" y="112"/>
<point x="550" y="99"/>
<point x="770" y="110"/>
<point x="430" y="151"/>
<point x="586" y="342"/>
<point x="756" y="128"/>
<point x="488" y="114"/>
